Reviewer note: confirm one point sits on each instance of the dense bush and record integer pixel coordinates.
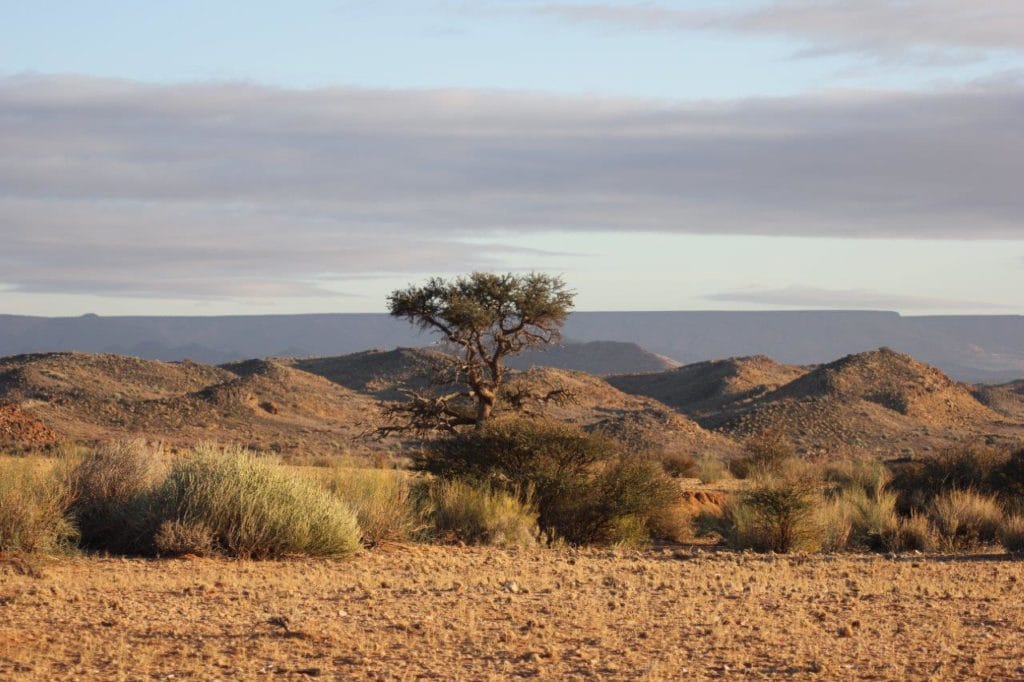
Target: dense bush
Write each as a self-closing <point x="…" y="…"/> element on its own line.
<point x="382" y="500"/>
<point x="478" y="514"/>
<point x="113" y="489"/>
<point x="256" y="508"/>
<point x="584" y="489"/>
<point x="34" y="504"/>
<point x="779" y="512"/>
<point x="678" y="464"/>
<point x="710" y="469"/>
<point x="974" y="467"/>
<point x="763" y="453"/>
<point x="621" y="502"/>
<point x="1012" y="534"/>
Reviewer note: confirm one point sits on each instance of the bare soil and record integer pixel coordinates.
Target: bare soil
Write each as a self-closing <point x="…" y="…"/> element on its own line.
<point x="431" y="612"/>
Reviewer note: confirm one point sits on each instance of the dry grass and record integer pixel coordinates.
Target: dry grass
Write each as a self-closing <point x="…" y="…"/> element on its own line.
<point x="414" y="612"/>
<point x="966" y="519"/>
<point x="33" y="507"/>
<point x="382" y="500"/>
<point x="478" y="514"/>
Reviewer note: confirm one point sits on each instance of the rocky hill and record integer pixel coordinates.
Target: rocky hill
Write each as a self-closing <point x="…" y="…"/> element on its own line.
<point x="379" y="373"/>
<point x="879" y="402"/>
<point x="320" y="406"/>
<point x="596" y="405"/>
<point x="705" y="388"/>
<point x="261" y="404"/>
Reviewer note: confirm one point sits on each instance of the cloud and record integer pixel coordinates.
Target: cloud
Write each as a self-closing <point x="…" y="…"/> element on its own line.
<point x="923" y="31"/>
<point x="214" y="188"/>
<point x="861" y="299"/>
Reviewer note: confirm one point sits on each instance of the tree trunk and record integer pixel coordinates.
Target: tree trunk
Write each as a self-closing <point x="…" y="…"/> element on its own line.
<point x="485" y="400"/>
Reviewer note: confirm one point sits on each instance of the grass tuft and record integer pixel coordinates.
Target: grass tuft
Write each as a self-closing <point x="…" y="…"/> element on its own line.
<point x="34" y="504"/>
<point x="382" y="500"/>
<point x="255" y="508"/>
<point x="478" y="514"/>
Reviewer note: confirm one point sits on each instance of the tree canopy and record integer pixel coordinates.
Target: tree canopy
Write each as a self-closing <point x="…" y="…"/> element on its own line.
<point x="483" y="317"/>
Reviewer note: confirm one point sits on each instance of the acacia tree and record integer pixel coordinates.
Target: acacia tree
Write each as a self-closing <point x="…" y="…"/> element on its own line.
<point x="484" y="318"/>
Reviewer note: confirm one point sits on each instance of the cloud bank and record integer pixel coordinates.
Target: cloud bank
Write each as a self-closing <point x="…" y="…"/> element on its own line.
<point x="859" y="299"/>
<point x="235" y="189"/>
<point x="923" y="31"/>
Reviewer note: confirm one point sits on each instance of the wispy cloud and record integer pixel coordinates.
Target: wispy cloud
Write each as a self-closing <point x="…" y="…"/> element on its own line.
<point x="861" y="299"/>
<point x="924" y="31"/>
<point x="135" y="189"/>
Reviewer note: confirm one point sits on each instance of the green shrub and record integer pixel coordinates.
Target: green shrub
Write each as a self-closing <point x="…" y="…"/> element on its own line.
<point x="1012" y="534"/>
<point x="614" y="504"/>
<point x="868" y="475"/>
<point x="966" y="519"/>
<point x="34" y="504"/>
<point x="580" y="482"/>
<point x="478" y="514"/>
<point x="256" y="508"/>
<point x="763" y="453"/>
<point x="382" y="500"/>
<point x="113" y="490"/>
<point x="780" y="512"/>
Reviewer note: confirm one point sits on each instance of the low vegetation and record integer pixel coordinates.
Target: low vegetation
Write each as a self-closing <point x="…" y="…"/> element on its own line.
<point x="255" y="508"/>
<point x="957" y="501"/>
<point x="384" y="502"/>
<point x="585" y="488"/>
<point x="33" y="508"/>
<point x="480" y="515"/>
<point x="512" y="482"/>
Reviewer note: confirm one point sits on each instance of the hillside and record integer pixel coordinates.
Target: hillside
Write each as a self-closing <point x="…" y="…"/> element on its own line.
<point x="261" y="404"/>
<point x="377" y="372"/>
<point x="879" y="402"/>
<point x="1006" y="399"/>
<point x="300" y="407"/>
<point x="594" y="404"/>
<point x="705" y="388"/>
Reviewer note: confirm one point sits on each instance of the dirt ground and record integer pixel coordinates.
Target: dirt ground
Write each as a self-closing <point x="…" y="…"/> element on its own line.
<point x="430" y="612"/>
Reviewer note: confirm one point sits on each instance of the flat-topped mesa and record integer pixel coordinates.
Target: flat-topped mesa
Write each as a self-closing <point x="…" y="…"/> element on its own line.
<point x="601" y="358"/>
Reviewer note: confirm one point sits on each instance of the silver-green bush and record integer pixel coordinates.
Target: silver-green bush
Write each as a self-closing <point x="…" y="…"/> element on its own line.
<point x="255" y="508"/>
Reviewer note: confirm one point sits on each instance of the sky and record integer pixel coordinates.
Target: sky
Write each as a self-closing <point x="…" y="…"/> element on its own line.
<point x="257" y="157"/>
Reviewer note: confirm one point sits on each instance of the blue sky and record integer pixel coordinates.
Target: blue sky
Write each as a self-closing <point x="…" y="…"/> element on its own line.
<point x="239" y="157"/>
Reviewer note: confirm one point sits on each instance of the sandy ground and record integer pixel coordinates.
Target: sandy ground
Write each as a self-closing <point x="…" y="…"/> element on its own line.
<point x="428" y="612"/>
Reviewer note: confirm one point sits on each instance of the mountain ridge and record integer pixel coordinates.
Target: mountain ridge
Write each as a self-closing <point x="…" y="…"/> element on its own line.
<point x="972" y="348"/>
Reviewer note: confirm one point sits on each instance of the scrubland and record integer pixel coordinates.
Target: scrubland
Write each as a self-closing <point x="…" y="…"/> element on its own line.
<point x="528" y="549"/>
